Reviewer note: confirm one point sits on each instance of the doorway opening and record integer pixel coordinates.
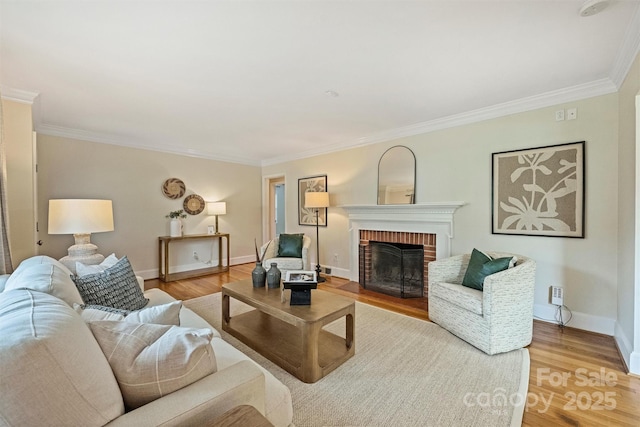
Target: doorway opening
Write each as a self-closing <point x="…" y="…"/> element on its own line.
<point x="279" y="208"/>
<point x="274" y="208"/>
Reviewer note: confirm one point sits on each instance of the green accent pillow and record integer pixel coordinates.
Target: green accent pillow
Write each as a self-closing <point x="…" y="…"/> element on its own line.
<point x="290" y="246"/>
<point x="481" y="266"/>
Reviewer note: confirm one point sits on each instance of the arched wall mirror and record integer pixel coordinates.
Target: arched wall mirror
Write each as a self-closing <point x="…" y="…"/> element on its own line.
<point x="397" y="177"/>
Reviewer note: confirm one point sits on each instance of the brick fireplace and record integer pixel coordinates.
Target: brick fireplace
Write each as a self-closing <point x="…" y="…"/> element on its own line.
<point x="428" y="224"/>
<point x="426" y="240"/>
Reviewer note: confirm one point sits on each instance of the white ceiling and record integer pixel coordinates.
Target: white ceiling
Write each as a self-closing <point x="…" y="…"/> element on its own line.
<point x="247" y="81"/>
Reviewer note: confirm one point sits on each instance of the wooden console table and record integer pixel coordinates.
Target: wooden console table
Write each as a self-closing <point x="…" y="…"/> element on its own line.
<point x="163" y="257"/>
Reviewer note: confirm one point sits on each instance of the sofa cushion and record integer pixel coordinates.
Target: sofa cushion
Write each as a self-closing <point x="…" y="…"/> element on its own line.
<point x="99" y="312"/>
<point x="290" y="246"/>
<point x="45" y="274"/>
<point x="86" y="269"/>
<point x="51" y="365"/>
<point x="150" y="361"/>
<point x="464" y="297"/>
<point x="278" y="407"/>
<point x="480" y="266"/>
<point x="187" y="317"/>
<point x="116" y="287"/>
<point x="165" y="314"/>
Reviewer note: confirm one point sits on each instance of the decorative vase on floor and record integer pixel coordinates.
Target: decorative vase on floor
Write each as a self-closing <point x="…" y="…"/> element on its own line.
<point x="273" y="276"/>
<point x="258" y="275"/>
<point x="175" y="227"/>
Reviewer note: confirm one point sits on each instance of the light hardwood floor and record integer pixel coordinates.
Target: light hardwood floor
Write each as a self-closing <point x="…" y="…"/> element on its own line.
<point x="577" y="378"/>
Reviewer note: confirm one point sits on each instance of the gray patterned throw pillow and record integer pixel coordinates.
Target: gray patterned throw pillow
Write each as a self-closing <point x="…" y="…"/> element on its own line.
<point x="115" y="287"/>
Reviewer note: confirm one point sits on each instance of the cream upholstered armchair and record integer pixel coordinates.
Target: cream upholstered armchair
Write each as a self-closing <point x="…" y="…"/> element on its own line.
<point x="286" y="263"/>
<point x="498" y="318"/>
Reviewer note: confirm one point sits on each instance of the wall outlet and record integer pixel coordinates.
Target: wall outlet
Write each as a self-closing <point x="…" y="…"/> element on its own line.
<point x="327" y="270"/>
<point x="556" y="295"/>
<point x="195" y="255"/>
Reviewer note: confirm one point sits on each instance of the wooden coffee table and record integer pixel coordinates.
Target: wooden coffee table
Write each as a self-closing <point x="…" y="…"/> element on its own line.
<point x="240" y="416"/>
<point x="291" y="336"/>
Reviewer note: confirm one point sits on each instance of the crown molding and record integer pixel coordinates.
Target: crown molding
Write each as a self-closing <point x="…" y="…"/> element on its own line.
<point x="628" y="51"/>
<point x="26" y="97"/>
<point x="573" y="93"/>
<point x="83" y="135"/>
<point x="569" y="94"/>
<point x="18" y="95"/>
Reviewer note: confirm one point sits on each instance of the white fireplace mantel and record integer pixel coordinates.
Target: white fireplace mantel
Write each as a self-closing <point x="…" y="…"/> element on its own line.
<point x="433" y="218"/>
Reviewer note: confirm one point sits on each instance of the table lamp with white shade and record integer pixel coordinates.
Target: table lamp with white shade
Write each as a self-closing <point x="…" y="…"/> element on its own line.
<point x="317" y="200"/>
<point x="216" y="208"/>
<point x="80" y="217"/>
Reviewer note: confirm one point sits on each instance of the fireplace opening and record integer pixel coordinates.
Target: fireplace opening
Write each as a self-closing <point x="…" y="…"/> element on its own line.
<point x="396" y="269"/>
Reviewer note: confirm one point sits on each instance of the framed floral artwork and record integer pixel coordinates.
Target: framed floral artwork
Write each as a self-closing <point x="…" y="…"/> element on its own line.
<point x="307" y="216"/>
<point x="539" y="191"/>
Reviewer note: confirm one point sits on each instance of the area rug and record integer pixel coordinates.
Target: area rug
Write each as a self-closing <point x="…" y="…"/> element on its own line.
<point x="406" y="372"/>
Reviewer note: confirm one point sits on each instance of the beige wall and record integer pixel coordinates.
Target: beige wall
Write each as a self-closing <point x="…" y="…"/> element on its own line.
<point x="452" y="165"/>
<point x="455" y="165"/>
<point x="627" y="332"/>
<point x="132" y="178"/>
<point x="18" y="134"/>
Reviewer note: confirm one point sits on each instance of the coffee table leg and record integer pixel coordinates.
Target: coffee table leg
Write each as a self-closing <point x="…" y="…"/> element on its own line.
<point x="349" y="330"/>
<point x="310" y="369"/>
<point x="225" y="309"/>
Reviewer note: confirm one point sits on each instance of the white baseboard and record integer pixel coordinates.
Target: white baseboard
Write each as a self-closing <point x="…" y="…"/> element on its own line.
<point x="243" y="259"/>
<point x="588" y="322"/>
<point x="624" y="345"/>
<point x="634" y="363"/>
<point x="154" y="273"/>
<point x="340" y="272"/>
<point x="148" y="274"/>
<point x="631" y="358"/>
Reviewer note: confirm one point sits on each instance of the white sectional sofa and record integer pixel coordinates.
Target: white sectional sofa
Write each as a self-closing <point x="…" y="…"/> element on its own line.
<point x="55" y="373"/>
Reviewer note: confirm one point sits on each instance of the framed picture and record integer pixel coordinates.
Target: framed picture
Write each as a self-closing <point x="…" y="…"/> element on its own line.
<point x="307" y="216"/>
<point x="539" y="191"/>
<point x="300" y="276"/>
